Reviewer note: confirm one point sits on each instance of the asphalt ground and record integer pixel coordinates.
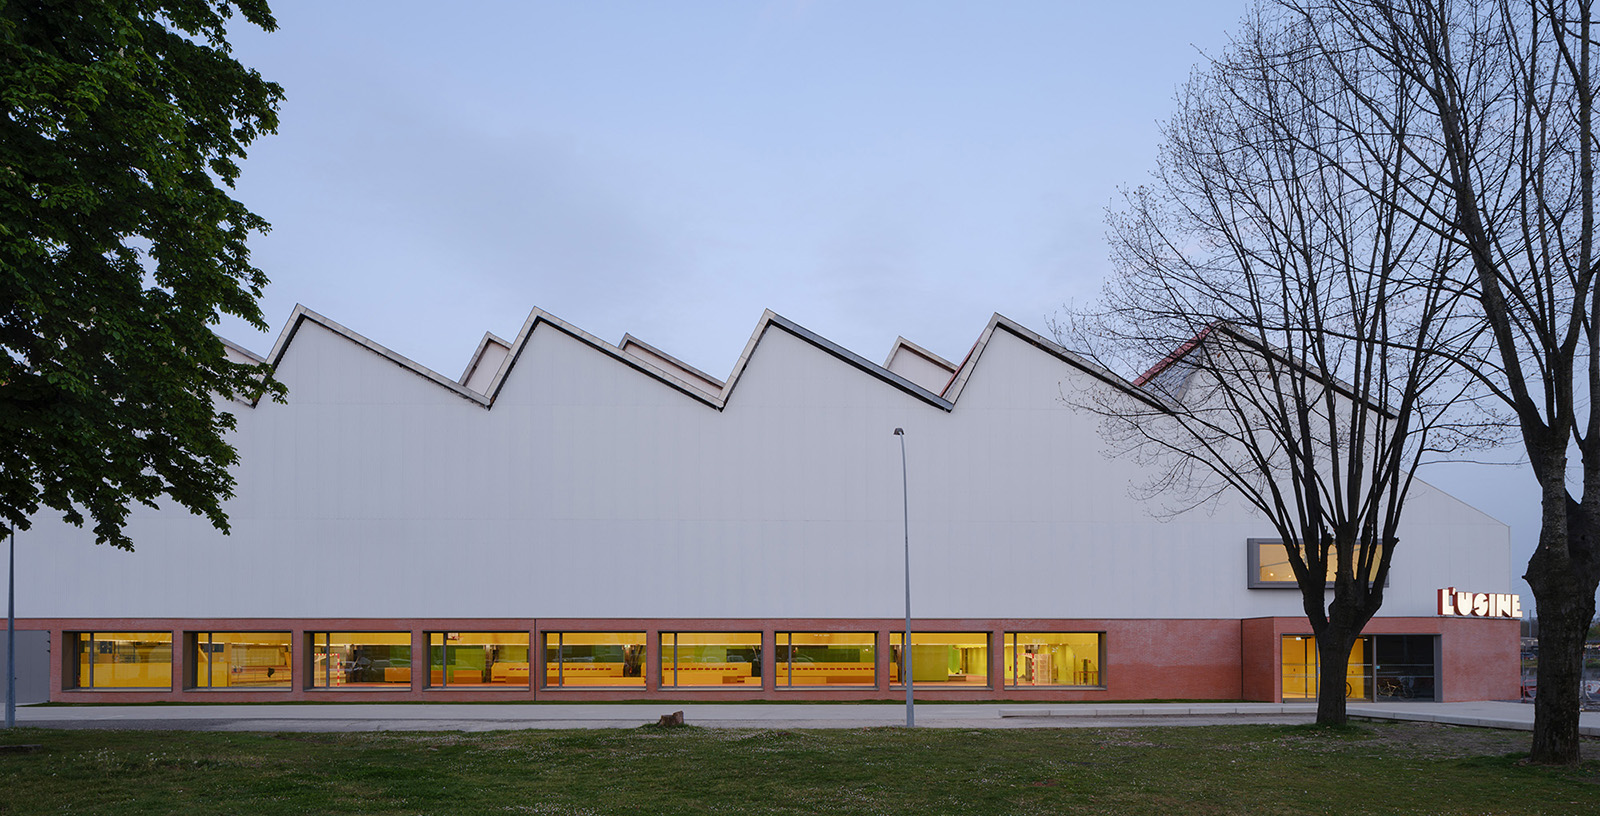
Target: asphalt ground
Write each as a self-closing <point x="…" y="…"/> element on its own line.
<point x="494" y="717"/>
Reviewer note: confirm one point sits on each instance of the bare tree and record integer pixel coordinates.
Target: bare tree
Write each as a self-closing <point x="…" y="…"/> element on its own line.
<point x="1502" y="121"/>
<point x="1296" y="313"/>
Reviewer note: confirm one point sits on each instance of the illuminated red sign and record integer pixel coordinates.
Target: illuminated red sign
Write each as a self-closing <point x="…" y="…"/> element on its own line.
<point x="1479" y="604"/>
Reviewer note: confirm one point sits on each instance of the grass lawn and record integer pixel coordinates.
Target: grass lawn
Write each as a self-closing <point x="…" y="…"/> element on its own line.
<point x="1254" y="769"/>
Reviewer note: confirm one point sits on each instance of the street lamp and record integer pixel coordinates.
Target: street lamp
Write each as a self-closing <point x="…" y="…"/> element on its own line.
<point x="905" y="640"/>
<point x="11" y="631"/>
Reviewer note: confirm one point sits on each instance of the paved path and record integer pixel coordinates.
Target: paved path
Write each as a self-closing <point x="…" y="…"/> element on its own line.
<point x="1507" y="715"/>
<point x="490" y="717"/>
<point x="1514" y="716"/>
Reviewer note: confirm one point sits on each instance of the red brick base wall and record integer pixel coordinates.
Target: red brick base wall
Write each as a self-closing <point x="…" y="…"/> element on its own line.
<point x="1480" y="658"/>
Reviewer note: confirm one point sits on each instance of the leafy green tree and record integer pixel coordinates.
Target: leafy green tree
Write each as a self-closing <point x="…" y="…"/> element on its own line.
<point x="121" y="126"/>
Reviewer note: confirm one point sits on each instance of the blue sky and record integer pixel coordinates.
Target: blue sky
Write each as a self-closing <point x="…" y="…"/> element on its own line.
<point x="672" y="169"/>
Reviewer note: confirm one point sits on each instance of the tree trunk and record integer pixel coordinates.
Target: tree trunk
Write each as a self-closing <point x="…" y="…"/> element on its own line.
<point x="1333" y="668"/>
<point x="1565" y="604"/>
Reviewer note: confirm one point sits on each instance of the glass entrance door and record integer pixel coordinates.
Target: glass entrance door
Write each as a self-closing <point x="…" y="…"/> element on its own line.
<point x="1382" y="667"/>
<point x="1405" y="667"/>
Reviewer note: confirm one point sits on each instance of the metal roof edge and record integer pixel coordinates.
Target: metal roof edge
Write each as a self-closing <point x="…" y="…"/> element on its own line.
<point x="1263" y="346"/>
<point x="854" y="359"/>
<point x="302" y="314"/>
<point x="769" y="319"/>
<point x="902" y="343"/>
<point x="538" y="316"/>
<point x="241" y="349"/>
<point x="477" y="355"/>
<point x="628" y="339"/>
<point x="1033" y="338"/>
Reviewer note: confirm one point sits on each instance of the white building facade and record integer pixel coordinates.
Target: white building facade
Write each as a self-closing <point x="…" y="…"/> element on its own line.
<point x="573" y="519"/>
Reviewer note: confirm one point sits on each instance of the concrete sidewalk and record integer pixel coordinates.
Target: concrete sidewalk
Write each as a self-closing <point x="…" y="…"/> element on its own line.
<point x="1508" y="715"/>
<point x="491" y="717"/>
<point x="1512" y="716"/>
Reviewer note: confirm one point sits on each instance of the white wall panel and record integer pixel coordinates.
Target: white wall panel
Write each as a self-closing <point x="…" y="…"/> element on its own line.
<point x="594" y="489"/>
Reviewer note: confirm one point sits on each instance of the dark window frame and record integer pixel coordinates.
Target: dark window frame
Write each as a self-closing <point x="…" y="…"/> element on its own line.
<point x="1008" y="639"/>
<point x="1253" y="561"/>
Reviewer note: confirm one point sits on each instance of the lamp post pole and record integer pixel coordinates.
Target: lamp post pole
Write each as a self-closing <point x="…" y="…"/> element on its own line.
<point x="11" y="630"/>
<point x="905" y="640"/>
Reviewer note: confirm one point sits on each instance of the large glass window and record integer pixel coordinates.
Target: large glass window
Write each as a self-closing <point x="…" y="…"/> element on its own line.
<point x="826" y="659"/>
<point x="717" y="659"/>
<point x="1382" y="667"/>
<point x="1404" y="667"/>
<point x="1270" y="569"/>
<point x="240" y="660"/>
<point x="360" y="659"/>
<point x="123" y="660"/>
<point x="476" y="659"/>
<point x="593" y="659"/>
<point x="1301" y="665"/>
<point x="943" y="658"/>
<point x="1358" y="672"/>
<point x="1053" y="659"/>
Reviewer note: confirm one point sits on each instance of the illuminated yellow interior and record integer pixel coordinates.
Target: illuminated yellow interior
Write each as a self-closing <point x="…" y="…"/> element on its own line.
<point x="1300" y="665"/>
<point x="943" y="658"/>
<point x="594" y="659"/>
<point x="124" y="659"/>
<point x="827" y="659"/>
<point x="360" y="659"/>
<point x="1052" y="659"/>
<point x="241" y="660"/>
<point x="1356" y="674"/>
<point x="1272" y="564"/>
<point x="477" y="659"/>
<point x="711" y="659"/>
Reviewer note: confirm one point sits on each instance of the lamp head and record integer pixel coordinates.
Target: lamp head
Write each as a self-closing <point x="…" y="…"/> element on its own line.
<point x="899" y="431"/>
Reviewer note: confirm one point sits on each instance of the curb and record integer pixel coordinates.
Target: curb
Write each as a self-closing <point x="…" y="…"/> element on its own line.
<point x="1370" y="715"/>
<point x="1168" y="710"/>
